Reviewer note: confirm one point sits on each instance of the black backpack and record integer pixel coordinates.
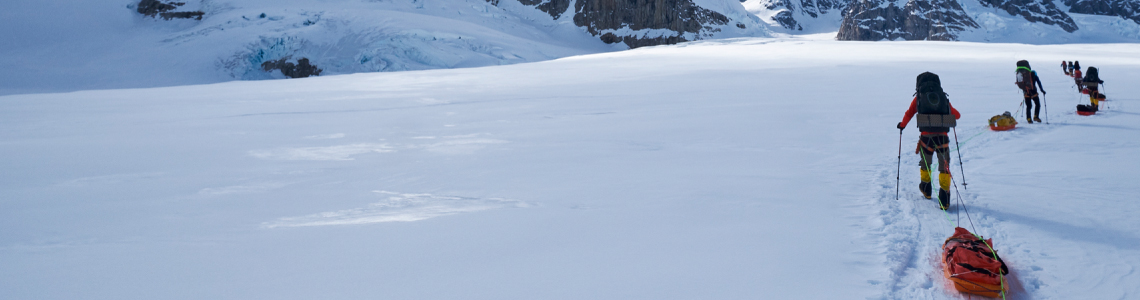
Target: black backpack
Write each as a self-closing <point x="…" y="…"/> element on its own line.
<point x="933" y="104"/>
<point x="1023" y="63"/>
<point x="1091" y="75"/>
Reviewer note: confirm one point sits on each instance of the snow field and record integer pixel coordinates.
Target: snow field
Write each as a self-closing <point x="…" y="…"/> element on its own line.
<point x="745" y="168"/>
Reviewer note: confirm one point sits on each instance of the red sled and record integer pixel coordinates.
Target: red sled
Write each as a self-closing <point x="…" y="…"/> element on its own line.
<point x="1002" y="128"/>
<point x="973" y="266"/>
<point x="1086" y="110"/>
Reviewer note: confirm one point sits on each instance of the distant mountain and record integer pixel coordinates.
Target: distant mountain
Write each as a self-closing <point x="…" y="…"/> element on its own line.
<point x="1023" y="21"/>
<point x="139" y="43"/>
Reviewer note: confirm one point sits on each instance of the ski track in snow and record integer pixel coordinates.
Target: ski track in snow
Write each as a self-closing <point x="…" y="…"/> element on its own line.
<point x="912" y="229"/>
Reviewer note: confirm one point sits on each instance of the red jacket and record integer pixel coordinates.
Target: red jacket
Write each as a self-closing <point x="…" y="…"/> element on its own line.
<point x="914" y="110"/>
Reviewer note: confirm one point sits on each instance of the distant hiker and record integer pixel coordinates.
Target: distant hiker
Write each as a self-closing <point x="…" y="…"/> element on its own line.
<point x="1076" y="73"/>
<point x="1065" y="67"/>
<point x="1092" y="82"/>
<point x="1026" y="78"/>
<point x="935" y="117"/>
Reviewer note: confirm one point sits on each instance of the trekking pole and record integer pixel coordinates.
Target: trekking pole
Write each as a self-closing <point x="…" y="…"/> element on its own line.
<point x="898" y="169"/>
<point x="1046" y="102"/>
<point x="1018" y="112"/>
<point x="961" y="167"/>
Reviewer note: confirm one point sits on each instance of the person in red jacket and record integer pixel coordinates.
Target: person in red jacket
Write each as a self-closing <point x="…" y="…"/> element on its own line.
<point x="933" y="109"/>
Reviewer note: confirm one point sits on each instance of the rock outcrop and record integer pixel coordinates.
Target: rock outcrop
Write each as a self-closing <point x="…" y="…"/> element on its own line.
<point x="554" y="8"/>
<point x="944" y="19"/>
<point x="301" y="69"/>
<point x="1040" y="11"/>
<point x="1128" y="9"/>
<point x="873" y="20"/>
<point x="637" y="23"/>
<point x="682" y="18"/>
<point x="151" y="8"/>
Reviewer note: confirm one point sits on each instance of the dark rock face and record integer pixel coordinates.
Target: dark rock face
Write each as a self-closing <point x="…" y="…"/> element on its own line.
<point x="785" y="19"/>
<point x="151" y="8"/>
<point x="601" y="17"/>
<point x="1043" y="11"/>
<point x="873" y="20"/>
<point x="301" y="69"/>
<point x="1128" y="9"/>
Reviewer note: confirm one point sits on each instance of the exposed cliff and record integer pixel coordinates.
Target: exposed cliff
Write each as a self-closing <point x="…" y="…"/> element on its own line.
<point x="1029" y="21"/>
<point x="938" y="20"/>
<point x="639" y="23"/>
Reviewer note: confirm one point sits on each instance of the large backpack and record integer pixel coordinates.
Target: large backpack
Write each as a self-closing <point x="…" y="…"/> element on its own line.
<point x="1091" y="75"/>
<point x="933" y="104"/>
<point x="1024" y="75"/>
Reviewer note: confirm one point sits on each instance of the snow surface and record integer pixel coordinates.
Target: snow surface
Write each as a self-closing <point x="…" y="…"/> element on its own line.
<point x="730" y="169"/>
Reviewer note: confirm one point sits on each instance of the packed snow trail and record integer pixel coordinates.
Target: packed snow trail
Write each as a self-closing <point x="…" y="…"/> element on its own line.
<point x="915" y="242"/>
<point x="734" y="169"/>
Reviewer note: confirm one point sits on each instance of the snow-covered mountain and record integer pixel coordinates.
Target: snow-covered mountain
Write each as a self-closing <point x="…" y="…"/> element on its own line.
<point x="1022" y="21"/>
<point x="59" y="45"/>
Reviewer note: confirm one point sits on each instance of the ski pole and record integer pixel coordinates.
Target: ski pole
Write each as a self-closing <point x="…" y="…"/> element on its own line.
<point x="1018" y="112"/>
<point x="960" y="165"/>
<point x="899" y="168"/>
<point x="1046" y="102"/>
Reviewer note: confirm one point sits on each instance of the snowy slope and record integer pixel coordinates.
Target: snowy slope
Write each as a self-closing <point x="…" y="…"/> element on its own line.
<point x="66" y="45"/>
<point x="53" y="51"/>
<point x="697" y="171"/>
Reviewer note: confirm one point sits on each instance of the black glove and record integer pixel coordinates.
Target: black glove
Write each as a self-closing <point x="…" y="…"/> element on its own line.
<point x="1043" y="92"/>
<point x="900" y="126"/>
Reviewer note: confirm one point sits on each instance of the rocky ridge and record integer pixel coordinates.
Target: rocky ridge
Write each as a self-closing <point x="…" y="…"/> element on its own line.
<point x="639" y="23"/>
<point x="937" y="20"/>
<point x="872" y="20"/>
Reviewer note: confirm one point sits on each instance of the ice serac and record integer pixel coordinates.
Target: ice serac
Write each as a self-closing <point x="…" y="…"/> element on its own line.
<point x="1128" y="9"/>
<point x="937" y="20"/>
<point x="1038" y="11"/>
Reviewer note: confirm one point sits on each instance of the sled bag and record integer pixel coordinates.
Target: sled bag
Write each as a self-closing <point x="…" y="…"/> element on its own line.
<point x="1002" y="122"/>
<point x="972" y="265"/>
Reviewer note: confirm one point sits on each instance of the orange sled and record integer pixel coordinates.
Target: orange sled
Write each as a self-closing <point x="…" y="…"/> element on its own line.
<point x="972" y="265"/>
<point x="1002" y="128"/>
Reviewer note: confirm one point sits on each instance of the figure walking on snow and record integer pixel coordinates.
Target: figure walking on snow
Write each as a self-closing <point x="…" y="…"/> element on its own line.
<point x="935" y="117"/>
<point x="1092" y="82"/>
<point x="1026" y="78"/>
<point x="1076" y="73"/>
